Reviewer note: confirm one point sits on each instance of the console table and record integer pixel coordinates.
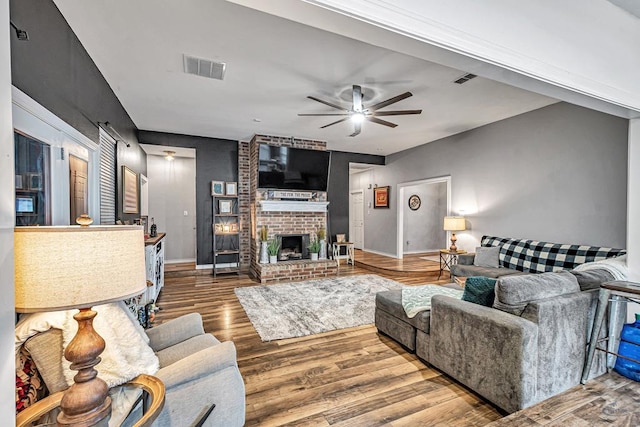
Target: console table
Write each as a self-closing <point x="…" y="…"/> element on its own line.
<point x="349" y="255"/>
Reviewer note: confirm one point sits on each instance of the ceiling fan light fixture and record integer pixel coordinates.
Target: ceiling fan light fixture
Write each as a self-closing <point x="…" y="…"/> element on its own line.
<point x="169" y="155"/>
<point x="357" y="117"/>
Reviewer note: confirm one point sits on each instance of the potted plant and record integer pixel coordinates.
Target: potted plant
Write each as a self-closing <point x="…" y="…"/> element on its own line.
<point x="314" y="248"/>
<point x="322" y="238"/>
<point x="272" y="249"/>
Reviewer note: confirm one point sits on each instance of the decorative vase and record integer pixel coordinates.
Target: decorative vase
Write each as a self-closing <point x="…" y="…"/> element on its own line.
<point x="273" y="259"/>
<point x="323" y="249"/>
<point x="629" y="347"/>
<point x="264" y="255"/>
<point x="314" y="256"/>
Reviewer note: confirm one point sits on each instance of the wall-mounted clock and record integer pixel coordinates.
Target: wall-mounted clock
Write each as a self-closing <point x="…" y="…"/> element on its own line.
<point x="414" y="202"/>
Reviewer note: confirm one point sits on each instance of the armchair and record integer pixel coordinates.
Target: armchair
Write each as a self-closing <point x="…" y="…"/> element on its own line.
<point x="196" y="368"/>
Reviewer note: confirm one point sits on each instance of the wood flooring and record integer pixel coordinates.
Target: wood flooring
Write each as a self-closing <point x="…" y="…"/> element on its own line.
<point x="350" y="377"/>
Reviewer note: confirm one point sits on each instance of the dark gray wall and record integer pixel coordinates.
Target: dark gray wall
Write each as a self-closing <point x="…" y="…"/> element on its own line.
<point x="54" y="69"/>
<point x="216" y="159"/>
<point x="338" y="191"/>
<point x="556" y="174"/>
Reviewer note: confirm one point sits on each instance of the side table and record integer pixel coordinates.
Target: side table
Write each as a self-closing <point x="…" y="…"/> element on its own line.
<point x="350" y="254"/>
<point x="616" y="292"/>
<point x="448" y="258"/>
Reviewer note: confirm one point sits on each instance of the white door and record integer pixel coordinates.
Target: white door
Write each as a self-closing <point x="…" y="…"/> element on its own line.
<point x="356" y="219"/>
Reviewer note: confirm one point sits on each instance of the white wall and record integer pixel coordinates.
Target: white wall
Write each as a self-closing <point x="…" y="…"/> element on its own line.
<point x="172" y="191"/>
<point x="7" y="220"/>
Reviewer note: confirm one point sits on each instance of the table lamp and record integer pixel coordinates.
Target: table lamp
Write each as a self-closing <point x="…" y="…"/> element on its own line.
<point x="60" y="268"/>
<point x="454" y="223"/>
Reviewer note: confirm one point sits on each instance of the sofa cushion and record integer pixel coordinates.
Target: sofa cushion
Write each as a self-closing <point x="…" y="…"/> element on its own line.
<point x="479" y="290"/>
<point x="391" y="302"/>
<point x="592" y="279"/>
<point x="487" y="257"/>
<point x="472" y="270"/>
<point x="513" y="252"/>
<point x="513" y="293"/>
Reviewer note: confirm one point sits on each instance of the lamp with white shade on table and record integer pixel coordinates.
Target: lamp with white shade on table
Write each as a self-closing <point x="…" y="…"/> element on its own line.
<point x="65" y="267"/>
<point x="453" y="224"/>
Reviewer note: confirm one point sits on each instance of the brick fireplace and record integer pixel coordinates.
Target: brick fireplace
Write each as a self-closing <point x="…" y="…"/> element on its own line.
<point x="285" y="218"/>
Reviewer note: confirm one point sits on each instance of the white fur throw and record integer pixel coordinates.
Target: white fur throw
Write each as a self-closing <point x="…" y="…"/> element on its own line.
<point x="126" y="355"/>
<point x="616" y="266"/>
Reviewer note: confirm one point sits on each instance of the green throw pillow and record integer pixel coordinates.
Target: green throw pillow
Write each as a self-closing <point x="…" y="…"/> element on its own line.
<point x="479" y="290"/>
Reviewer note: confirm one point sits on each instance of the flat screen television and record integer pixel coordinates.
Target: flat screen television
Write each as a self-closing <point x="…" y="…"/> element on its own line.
<point x="289" y="168"/>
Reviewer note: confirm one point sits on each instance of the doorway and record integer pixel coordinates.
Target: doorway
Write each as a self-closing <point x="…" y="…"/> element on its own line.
<point x="171" y="199"/>
<point x="356" y="218"/>
<point x="78" y="189"/>
<point x="422" y="205"/>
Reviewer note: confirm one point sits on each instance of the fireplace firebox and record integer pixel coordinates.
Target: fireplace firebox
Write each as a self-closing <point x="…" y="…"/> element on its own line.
<point x="293" y="247"/>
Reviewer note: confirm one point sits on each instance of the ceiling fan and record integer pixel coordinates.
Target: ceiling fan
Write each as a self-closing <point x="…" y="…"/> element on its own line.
<point x="358" y="113"/>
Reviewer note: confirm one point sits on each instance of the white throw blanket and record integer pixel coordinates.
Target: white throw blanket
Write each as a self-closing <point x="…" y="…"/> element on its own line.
<point x="616" y="266"/>
<point x="418" y="298"/>
<point x="126" y="355"/>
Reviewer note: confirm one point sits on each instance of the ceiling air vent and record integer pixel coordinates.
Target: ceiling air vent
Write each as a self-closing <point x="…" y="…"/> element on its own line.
<point x="465" y="78"/>
<point x="204" y="67"/>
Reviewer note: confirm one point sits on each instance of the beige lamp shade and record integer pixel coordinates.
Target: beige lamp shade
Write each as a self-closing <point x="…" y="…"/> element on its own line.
<point x="58" y="268"/>
<point x="454" y="223"/>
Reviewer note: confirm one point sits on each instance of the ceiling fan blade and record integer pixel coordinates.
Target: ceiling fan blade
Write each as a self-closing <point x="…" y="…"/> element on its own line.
<point x="396" y="113"/>
<point x="390" y="101"/>
<point x="323" y="114"/>
<point x="357" y="128"/>
<point x="327" y="103"/>
<point x="381" y="122"/>
<point x="334" y="123"/>
<point x="357" y="98"/>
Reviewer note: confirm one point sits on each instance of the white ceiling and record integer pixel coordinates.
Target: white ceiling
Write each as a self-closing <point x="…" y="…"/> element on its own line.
<point x="272" y="65"/>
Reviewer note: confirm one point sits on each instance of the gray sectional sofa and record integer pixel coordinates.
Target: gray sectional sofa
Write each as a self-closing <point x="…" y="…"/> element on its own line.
<point x="530" y="349"/>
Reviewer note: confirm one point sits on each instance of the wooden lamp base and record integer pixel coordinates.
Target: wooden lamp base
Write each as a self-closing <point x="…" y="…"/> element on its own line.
<point x="454" y="239"/>
<point x="86" y="402"/>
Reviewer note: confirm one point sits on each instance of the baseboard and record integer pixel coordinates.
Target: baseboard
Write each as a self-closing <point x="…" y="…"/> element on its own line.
<point x="204" y="266"/>
<point x="179" y="261"/>
<point x="380" y="253"/>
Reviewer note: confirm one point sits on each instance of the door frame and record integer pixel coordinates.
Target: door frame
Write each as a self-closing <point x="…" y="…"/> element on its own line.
<point x="351" y="192"/>
<point x="401" y="206"/>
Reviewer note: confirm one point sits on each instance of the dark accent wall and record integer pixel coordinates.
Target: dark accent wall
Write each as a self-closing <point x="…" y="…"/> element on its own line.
<point x="338" y="193"/>
<point x="216" y="159"/>
<point x="54" y="69"/>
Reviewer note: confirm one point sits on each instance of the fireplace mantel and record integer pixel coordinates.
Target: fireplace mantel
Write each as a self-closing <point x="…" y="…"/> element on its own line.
<point x="292" y="206"/>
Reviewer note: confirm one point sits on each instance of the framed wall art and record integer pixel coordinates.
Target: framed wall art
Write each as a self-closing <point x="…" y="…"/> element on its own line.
<point x="129" y="191"/>
<point x="414" y="202"/>
<point x="381" y="197"/>
<point x="231" y="188"/>
<point x="217" y="188"/>
<point x="224" y="206"/>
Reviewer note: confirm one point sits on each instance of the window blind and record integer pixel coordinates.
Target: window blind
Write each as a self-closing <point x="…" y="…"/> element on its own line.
<point x="107" y="179"/>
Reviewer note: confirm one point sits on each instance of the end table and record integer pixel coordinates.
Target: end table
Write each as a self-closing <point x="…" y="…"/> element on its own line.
<point x="448" y="258"/>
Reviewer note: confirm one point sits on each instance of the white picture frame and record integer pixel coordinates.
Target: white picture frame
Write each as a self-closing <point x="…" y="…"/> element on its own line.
<point x="231" y="188"/>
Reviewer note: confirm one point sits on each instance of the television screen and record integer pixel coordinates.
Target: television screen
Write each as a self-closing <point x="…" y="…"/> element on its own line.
<point x="293" y="168"/>
<point x="24" y="204"/>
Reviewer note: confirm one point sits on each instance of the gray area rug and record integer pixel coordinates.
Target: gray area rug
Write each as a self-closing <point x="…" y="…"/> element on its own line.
<point x="298" y="309"/>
